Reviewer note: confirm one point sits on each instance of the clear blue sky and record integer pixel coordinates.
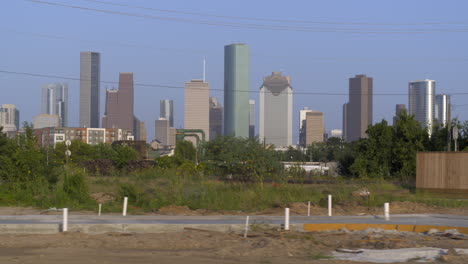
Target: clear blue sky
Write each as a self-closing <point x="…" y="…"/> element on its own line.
<point x="46" y="39"/>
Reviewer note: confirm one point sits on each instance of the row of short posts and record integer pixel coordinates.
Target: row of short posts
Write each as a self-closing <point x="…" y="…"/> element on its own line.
<point x="286" y="214"/>
<point x="65" y="214"/>
<point x="330" y="212"/>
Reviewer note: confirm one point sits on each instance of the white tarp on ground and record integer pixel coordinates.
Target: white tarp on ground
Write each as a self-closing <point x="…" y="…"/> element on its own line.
<point x="395" y="255"/>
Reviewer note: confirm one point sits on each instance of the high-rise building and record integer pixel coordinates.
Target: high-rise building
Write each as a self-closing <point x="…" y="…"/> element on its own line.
<point x="142" y="131"/>
<point x="216" y="118"/>
<point x="359" y="108"/>
<point x="276" y="102"/>
<point x="9" y="118"/>
<point x="166" y="110"/>
<point x="251" y="118"/>
<point x="236" y="90"/>
<point x="46" y="120"/>
<point x="197" y="106"/>
<point x="421" y="96"/>
<point x="55" y="101"/>
<point x="314" y="126"/>
<point x="345" y="121"/>
<point x="302" y="126"/>
<point x="399" y="109"/>
<point x="119" y="105"/>
<point x="89" y="88"/>
<point x="161" y="130"/>
<point x="442" y="109"/>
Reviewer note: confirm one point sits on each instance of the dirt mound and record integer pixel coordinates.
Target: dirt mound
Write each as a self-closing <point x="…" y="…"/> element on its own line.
<point x="103" y="198"/>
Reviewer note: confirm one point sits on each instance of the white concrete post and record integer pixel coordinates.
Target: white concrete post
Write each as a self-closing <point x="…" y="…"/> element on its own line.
<point x="65" y="220"/>
<point x="286" y="219"/>
<point x="329" y="205"/>
<point x="99" y="211"/>
<point x="124" y="213"/>
<point x="387" y="211"/>
<point x="246" y="226"/>
<point x="308" y="208"/>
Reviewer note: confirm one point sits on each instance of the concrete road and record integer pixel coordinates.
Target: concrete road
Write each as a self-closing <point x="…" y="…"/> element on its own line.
<point x="158" y="223"/>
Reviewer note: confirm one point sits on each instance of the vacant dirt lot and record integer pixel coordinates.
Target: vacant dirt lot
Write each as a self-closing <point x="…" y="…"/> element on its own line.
<point x="199" y="246"/>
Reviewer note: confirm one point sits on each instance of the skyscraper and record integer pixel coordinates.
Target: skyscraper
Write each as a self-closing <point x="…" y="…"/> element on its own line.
<point x="359" y="108"/>
<point x="197" y="106"/>
<point x="166" y="110"/>
<point x="302" y="126"/>
<point x="236" y="90"/>
<point x="421" y="96"/>
<point x="55" y="101"/>
<point x="89" y="88"/>
<point x="345" y="121"/>
<point x="399" y="108"/>
<point x="314" y="126"/>
<point x="276" y="102"/>
<point x="216" y="118"/>
<point x="46" y="120"/>
<point x="442" y="109"/>
<point x="9" y="118"/>
<point x="119" y="105"/>
<point x="251" y="118"/>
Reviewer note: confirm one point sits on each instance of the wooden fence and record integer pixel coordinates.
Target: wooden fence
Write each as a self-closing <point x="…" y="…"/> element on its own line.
<point x="444" y="172"/>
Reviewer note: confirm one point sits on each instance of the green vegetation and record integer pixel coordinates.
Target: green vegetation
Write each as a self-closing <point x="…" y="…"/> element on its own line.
<point x="224" y="174"/>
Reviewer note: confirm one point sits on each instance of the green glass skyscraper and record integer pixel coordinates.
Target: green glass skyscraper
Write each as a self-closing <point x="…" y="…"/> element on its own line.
<point x="236" y="90"/>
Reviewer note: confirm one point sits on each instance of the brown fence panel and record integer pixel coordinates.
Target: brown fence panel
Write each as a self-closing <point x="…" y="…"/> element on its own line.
<point x="442" y="171"/>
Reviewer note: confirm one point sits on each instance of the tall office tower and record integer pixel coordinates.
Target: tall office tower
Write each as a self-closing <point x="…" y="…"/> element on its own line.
<point x="164" y="133"/>
<point x="421" y="95"/>
<point x="142" y="132"/>
<point x="315" y="128"/>
<point x="276" y="102"/>
<point x="55" y="101"/>
<point x="302" y="126"/>
<point x="399" y="108"/>
<point x="46" y="120"/>
<point x="197" y="106"/>
<point x="359" y="108"/>
<point x="251" y="118"/>
<point x="9" y="118"/>
<point x="90" y="71"/>
<point x="216" y="118"/>
<point x="345" y="122"/>
<point x="119" y="105"/>
<point x="166" y="110"/>
<point x="236" y="90"/>
<point x="442" y="109"/>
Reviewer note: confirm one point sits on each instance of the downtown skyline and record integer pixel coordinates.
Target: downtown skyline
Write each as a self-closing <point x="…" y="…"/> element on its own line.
<point x="325" y="68"/>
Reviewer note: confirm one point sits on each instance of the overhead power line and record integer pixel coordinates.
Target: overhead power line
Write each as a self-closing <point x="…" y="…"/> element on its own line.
<point x="182" y="87"/>
<point x="275" y="20"/>
<point x="258" y="26"/>
<point x="175" y="50"/>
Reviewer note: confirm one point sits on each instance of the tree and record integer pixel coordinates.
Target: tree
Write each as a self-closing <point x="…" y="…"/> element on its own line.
<point x="185" y="150"/>
<point x="246" y="160"/>
<point x="375" y="153"/>
<point x="124" y="155"/>
<point x="409" y="138"/>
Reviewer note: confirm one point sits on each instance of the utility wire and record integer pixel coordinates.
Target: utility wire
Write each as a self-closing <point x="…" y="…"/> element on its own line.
<point x="182" y="87"/>
<point x="330" y="59"/>
<point x="255" y="26"/>
<point x="275" y="20"/>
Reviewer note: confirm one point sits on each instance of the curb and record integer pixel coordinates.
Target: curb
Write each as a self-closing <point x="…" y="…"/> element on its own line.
<point x="399" y="228"/>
